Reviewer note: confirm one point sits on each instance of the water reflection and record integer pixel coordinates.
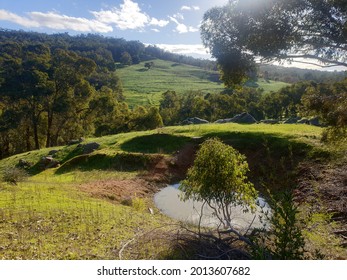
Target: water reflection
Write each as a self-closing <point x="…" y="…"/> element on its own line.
<point x="168" y="201"/>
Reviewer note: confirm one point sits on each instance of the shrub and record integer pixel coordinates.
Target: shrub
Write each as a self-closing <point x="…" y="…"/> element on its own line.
<point x="13" y="175"/>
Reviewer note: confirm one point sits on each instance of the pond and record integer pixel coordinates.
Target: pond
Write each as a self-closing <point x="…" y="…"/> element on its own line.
<point x="169" y="202"/>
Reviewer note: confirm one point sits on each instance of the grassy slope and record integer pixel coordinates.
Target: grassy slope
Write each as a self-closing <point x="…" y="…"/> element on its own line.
<point x="47" y="218"/>
<point x="145" y="87"/>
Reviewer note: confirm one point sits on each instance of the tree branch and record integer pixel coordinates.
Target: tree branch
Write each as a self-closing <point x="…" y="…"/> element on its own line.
<point x="311" y="56"/>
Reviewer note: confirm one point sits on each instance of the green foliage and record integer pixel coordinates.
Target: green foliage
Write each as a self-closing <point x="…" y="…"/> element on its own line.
<point x="149" y="65"/>
<point x="242" y="30"/>
<point x="283" y="237"/>
<point x="219" y="176"/>
<point x="126" y="59"/>
<point x="329" y="102"/>
<point x="14" y="175"/>
<point x="288" y="238"/>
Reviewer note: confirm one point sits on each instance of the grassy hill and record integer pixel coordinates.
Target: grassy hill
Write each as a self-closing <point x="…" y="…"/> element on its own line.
<point x="145" y="87"/>
<point x="80" y="210"/>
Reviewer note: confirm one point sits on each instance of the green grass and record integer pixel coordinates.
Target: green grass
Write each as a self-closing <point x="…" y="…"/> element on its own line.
<point x="169" y="139"/>
<point x="47" y="217"/>
<point x="52" y="220"/>
<point x="145" y="87"/>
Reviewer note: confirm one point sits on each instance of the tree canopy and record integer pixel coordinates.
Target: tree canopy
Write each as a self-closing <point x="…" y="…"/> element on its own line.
<point x="244" y="31"/>
<point x="218" y="177"/>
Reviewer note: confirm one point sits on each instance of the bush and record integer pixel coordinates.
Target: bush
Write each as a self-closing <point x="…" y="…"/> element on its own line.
<point x="218" y="177"/>
<point x="13" y="175"/>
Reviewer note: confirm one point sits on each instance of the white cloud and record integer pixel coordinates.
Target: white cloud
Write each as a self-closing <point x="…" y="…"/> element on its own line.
<point x="62" y="22"/>
<point x="160" y="23"/>
<point x="155" y="30"/>
<point x="182" y="28"/>
<point x="185" y="8"/>
<point x="178" y="16"/>
<point x="56" y="21"/>
<point x="128" y="16"/>
<point x="196" y="50"/>
<point x="8" y="16"/>
<point x="190" y="8"/>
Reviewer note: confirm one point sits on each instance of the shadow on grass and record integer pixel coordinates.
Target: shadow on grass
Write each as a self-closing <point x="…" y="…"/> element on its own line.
<point x="155" y="143"/>
<point x="63" y="155"/>
<point x="273" y="160"/>
<point x="121" y="162"/>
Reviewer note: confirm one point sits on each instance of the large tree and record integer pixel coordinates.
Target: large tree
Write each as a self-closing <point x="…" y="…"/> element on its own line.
<point x="245" y="31"/>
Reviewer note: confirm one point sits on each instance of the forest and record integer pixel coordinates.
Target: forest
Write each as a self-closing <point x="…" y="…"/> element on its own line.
<point x="55" y="88"/>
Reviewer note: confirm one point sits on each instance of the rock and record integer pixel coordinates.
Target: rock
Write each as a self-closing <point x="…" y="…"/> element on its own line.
<point x="220" y="121"/>
<point x="314" y="121"/>
<point x="186" y="122"/>
<point x="304" y="121"/>
<point x="194" y="120"/>
<point x="291" y="120"/>
<point x="48" y="162"/>
<point x="242" y="118"/>
<point x="90" y="147"/>
<point x="270" y="121"/>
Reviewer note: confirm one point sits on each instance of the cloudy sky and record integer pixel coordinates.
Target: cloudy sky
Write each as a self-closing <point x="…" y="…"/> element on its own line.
<point x="171" y="24"/>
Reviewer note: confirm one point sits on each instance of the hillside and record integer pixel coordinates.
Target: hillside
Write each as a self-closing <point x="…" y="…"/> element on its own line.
<point x="145" y="87"/>
<point x="95" y="206"/>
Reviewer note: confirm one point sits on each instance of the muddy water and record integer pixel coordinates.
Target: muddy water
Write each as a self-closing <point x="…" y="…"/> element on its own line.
<point x="169" y="202"/>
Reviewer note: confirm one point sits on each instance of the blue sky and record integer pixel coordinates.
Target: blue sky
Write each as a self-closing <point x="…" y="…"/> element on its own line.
<point x="173" y="25"/>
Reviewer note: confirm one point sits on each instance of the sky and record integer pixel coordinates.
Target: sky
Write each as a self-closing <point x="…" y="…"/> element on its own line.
<point x="169" y="24"/>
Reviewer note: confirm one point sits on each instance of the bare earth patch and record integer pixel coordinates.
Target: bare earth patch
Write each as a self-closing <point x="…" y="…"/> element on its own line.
<point x="120" y="190"/>
<point x="321" y="183"/>
<point x="163" y="171"/>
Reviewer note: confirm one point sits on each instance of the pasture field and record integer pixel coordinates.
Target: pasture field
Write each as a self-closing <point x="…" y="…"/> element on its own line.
<point x="145" y="87"/>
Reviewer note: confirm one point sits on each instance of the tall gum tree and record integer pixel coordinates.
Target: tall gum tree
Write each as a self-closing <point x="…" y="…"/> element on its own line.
<point x="245" y="31"/>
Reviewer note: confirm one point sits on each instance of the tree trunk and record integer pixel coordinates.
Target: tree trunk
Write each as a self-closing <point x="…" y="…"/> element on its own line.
<point x="49" y="128"/>
<point x="28" y="144"/>
<point x="35" y="130"/>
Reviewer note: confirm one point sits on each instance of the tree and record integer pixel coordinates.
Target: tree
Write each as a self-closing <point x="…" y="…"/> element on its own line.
<point x="218" y="177"/>
<point x="169" y="108"/>
<point x="329" y="102"/>
<point x="242" y="31"/>
<point x="149" y="65"/>
<point x="126" y="59"/>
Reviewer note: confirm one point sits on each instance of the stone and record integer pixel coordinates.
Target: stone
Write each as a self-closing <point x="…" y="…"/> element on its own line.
<point x="291" y="120"/>
<point x="48" y="162"/>
<point x="304" y="121"/>
<point x="243" y="118"/>
<point x="90" y="147"/>
<point x="194" y="120"/>
<point x="314" y="121"/>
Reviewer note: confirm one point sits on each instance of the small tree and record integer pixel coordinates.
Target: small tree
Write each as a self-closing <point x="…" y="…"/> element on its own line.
<point x="126" y="59"/>
<point x="218" y="177"/>
<point x="149" y="65"/>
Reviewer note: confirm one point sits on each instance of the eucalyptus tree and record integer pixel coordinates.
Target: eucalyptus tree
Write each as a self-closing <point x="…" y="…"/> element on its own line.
<point x="245" y="31"/>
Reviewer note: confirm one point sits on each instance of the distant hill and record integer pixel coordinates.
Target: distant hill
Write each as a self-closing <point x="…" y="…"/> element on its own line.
<point x="144" y="86"/>
<point x="295" y="75"/>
